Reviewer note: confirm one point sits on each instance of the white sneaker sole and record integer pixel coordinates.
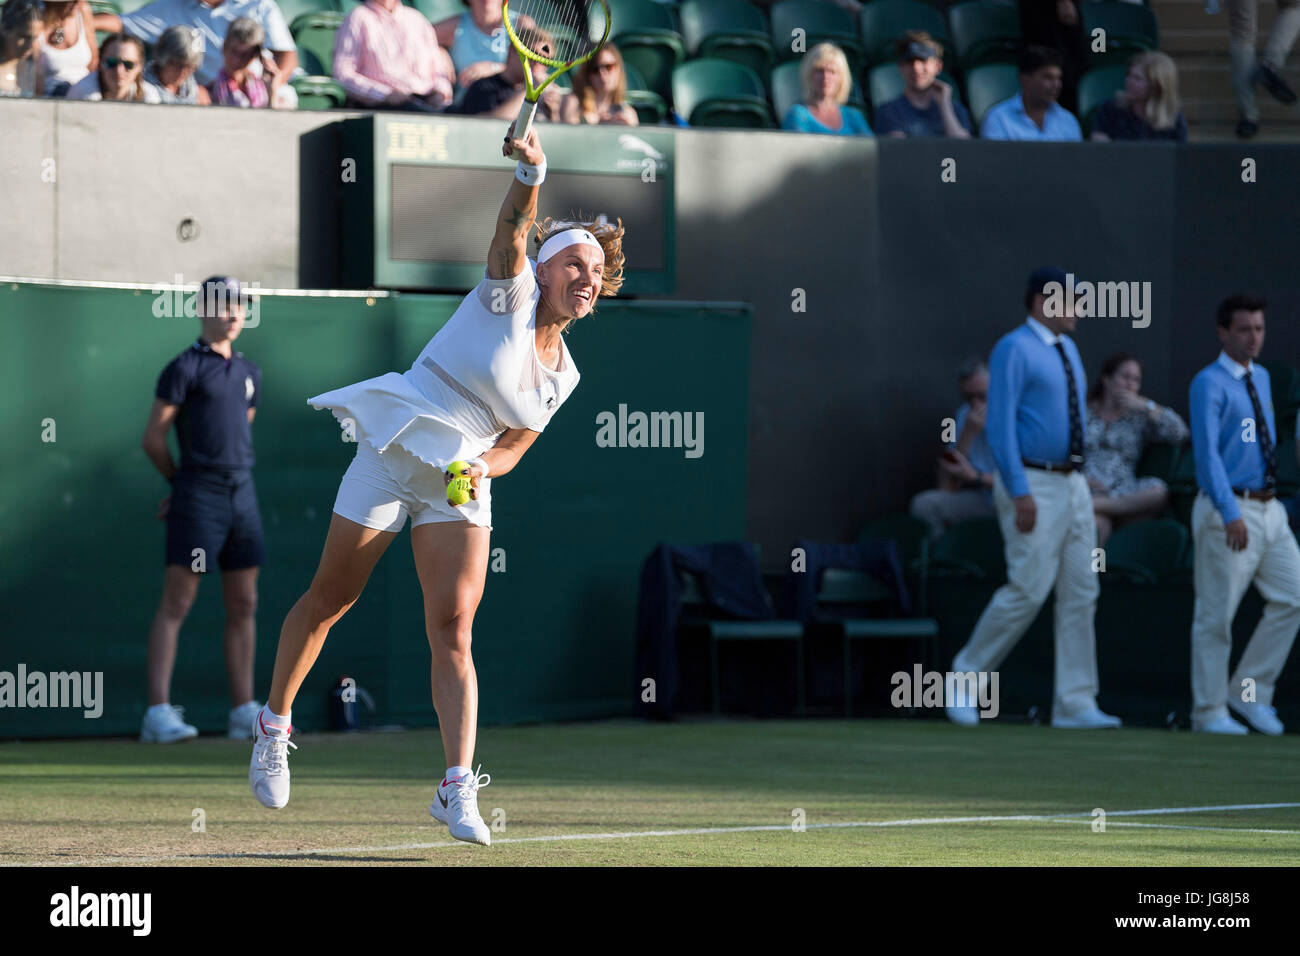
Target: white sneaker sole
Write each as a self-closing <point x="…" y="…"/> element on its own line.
<point x="437" y="811"/>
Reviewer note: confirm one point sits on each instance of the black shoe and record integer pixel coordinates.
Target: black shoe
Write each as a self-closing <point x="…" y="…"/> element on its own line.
<point x="1272" y="81"/>
<point x="1246" y="129"/>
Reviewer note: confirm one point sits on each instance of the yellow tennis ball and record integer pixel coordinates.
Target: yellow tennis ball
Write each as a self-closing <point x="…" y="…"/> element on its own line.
<point x="456" y="467"/>
<point x="458" y="491"/>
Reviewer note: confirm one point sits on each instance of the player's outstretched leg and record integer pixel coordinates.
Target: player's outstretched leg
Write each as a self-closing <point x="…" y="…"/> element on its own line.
<point x="451" y="558"/>
<point x="350" y="554"/>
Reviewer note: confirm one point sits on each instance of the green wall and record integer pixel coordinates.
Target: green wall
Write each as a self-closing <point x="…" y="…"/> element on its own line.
<point x="81" y="552"/>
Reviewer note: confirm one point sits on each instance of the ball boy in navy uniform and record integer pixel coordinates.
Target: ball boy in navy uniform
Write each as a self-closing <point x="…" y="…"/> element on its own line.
<point x="210" y="393"/>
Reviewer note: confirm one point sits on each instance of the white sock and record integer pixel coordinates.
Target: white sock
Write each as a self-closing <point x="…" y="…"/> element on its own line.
<point x="454" y="773"/>
<point x="158" y="708"/>
<point x="273" y="722"/>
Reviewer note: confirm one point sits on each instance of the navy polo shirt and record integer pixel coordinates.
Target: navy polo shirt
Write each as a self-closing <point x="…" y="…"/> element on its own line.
<point x="214" y="394"/>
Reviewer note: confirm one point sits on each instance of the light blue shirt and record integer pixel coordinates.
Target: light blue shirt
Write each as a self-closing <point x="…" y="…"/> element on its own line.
<point x="1008" y="120"/>
<point x="1029" y="404"/>
<point x="1220" y="405"/>
<point x="149" y="22"/>
<point x="799" y="119"/>
<point x="471" y="45"/>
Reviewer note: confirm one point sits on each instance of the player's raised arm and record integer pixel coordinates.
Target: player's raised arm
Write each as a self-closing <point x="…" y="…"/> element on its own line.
<point x="509" y="252"/>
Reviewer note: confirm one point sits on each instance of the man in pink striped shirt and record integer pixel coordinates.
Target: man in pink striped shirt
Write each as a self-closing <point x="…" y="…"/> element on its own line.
<point x="386" y="56"/>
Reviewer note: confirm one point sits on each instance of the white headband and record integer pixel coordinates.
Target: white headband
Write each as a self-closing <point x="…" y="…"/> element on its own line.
<point x="562" y="240"/>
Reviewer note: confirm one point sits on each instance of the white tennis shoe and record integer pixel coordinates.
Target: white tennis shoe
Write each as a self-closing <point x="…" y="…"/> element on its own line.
<point x="162" y="724"/>
<point x="268" y="771"/>
<point x="240" y="724"/>
<point x="456" y="804"/>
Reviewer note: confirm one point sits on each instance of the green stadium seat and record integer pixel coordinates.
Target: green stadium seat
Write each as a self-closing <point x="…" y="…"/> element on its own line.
<point x="911" y="534"/>
<point x="1096" y="87"/>
<point x="727" y="30"/>
<point x="784" y="83"/>
<point x="293" y="9"/>
<point x="105" y="6"/>
<point x="820" y="22"/>
<point x="1284" y="381"/>
<point x="719" y="93"/>
<point x="130" y="6"/>
<point x="646" y="34"/>
<point x="882" y="22"/>
<point x="970" y="549"/>
<point x="1182" y="474"/>
<point x="315" y="32"/>
<point x="651" y="110"/>
<point x="885" y="83"/>
<point x="842" y="588"/>
<point x="1129" y="28"/>
<point x="1148" y="552"/>
<point x="435" y="11"/>
<point x="318" y="93"/>
<point x="985" y="32"/>
<point x="1159" y="460"/>
<point x="988" y="85"/>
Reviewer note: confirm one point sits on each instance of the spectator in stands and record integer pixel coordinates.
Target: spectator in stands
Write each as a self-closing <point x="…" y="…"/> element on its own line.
<point x="1057" y="25"/>
<point x="237" y="84"/>
<point x="927" y="107"/>
<point x="21" y="25"/>
<point x="1036" y="433"/>
<point x="386" y="56"/>
<point x="826" y="81"/>
<point x="966" y="467"/>
<point x="502" y="94"/>
<point x="1147" y="108"/>
<point x="67" y="50"/>
<point x="1033" y="113"/>
<point x="1239" y="531"/>
<point x="599" y="92"/>
<point x="119" y="77"/>
<point x="176" y="57"/>
<point x="212" y="18"/>
<point x="1121" y="422"/>
<point x="476" y="40"/>
<point x="1249" y="69"/>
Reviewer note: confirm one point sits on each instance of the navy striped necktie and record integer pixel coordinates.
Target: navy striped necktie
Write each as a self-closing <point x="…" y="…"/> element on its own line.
<point x="1261" y="432"/>
<point x="1076" y="419"/>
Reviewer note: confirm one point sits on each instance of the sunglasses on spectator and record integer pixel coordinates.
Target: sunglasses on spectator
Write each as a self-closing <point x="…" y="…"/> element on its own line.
<point x="247" y="53"/>
<point x="113" y="62"/>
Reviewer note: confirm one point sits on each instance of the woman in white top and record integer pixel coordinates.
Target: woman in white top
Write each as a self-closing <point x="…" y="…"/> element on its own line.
<point x="67" y="52"/>
<point x="120" y="74"/>
<point x="21" y="24"/>
<point x="481" y="391"/>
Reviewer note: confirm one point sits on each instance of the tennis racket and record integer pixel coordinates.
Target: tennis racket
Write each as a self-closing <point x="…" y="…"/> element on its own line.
<point x="559" y="33"/>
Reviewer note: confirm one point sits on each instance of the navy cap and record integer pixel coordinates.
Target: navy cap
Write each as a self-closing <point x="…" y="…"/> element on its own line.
<point x="219" y="291"/>
<point x="1039" y="279"/>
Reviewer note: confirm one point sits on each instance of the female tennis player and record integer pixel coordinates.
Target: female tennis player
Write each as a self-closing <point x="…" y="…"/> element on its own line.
<point x="482" y="391"/>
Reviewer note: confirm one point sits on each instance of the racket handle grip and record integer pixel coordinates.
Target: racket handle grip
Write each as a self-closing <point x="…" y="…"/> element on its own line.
<point x="524" y="123"/>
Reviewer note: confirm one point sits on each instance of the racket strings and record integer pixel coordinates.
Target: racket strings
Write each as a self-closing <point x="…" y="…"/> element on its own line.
<point x="561" y="30"/>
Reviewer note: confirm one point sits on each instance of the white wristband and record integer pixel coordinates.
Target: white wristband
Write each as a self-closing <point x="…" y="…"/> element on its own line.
<point x="531" y="175"/>
<point x="482" y="464"/>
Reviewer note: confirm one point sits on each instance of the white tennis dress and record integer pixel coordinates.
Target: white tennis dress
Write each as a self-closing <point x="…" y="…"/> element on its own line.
<point x="478" y="376"/>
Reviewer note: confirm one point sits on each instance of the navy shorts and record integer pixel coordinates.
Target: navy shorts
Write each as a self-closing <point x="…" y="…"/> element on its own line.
<point x="217" y="511"/>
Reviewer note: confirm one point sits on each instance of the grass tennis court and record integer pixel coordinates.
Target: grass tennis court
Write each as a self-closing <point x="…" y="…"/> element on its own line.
<point x="364" y="798"/>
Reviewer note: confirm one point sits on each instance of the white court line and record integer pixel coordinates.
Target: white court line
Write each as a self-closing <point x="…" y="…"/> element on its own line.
<point x="707" y="831"/>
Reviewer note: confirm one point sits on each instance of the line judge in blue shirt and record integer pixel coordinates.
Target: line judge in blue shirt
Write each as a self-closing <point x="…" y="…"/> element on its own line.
<point x="1033" y="113"/>
<point x="1240" y="531"/>
<point x="1036" y="429"/>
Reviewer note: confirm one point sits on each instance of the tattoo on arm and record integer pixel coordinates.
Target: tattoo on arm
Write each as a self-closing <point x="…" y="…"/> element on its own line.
<point x="503" y="263"/>
<point x="520" y="219"/>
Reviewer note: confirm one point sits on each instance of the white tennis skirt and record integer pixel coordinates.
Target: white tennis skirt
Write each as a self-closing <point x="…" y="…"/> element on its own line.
<point x="404" y="444"/>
